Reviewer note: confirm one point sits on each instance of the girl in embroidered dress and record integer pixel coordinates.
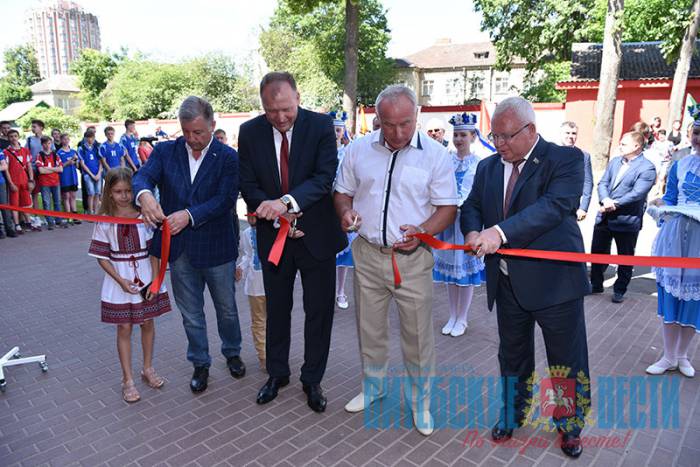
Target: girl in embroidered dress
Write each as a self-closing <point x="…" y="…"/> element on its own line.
<point x="678" y="213"/>
<point x="343" y="260"/>
<point x="459" y="270"/>
<point x="122" y="251"/>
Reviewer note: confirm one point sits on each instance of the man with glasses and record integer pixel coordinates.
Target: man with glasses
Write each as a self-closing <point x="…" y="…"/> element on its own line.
<point x="436" y="130"/>
<point x="526" y="196"/>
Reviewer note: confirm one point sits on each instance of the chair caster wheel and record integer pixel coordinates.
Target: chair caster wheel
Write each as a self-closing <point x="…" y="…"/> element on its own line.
<point x="44" y="367"/>
<point x="17" y="356"/>
<point x="3" y="385"/>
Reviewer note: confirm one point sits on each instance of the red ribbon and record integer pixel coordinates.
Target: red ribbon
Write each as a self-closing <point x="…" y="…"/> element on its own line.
<point x="621" y="260"/>
<point x="165" y="242"/>
<point x="280" y="240"/>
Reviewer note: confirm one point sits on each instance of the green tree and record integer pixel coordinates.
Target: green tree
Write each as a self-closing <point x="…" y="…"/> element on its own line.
<point x="94" y="69"/>
<point x="143" y="89"/>
<point x="540" y="85"/>
<point x="215" y="77"/>
<point x="21" y="71"/>
<point x="53" y="117"/>
<point x="312" y="47"/>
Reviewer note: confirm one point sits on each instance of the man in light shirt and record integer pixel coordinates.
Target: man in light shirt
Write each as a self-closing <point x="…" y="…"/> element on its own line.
<point x="198" y="182"/>
<point x="393" y="183"/>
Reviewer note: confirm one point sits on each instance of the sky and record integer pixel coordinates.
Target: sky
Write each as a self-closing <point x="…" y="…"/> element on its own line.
<point x="168" y="30"/>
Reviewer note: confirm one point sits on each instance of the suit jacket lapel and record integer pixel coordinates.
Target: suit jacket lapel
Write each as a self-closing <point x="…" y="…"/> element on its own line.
<point x="298" y="137"/>
<point x="183" y="161"/>
<point x="269" y="153"/>
<point x="498" y="184"/>
<point x="208" y="162"/>
<point x="529" y="168"/>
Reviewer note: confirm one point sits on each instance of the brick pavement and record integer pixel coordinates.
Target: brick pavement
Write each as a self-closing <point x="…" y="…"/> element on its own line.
<point x="73" y="415"/>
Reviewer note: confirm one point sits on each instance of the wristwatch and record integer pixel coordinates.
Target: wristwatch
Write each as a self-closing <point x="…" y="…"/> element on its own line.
<point x="421" y="229"/>
<point x="287" y="201"/>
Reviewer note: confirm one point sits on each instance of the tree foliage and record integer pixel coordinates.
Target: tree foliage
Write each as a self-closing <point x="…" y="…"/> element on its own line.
<point x="543" y="31"/>
<point x="308" y="40"/>
<point x="21" y="71"/>
<point x="93" y="69"/>
<point x="540" y="86"/>
<point x="53" y="117"/>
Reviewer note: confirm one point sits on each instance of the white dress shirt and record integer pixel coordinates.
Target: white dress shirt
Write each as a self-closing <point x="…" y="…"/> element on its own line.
<point x="392" y="188"/>
<point x="277" y="135"/>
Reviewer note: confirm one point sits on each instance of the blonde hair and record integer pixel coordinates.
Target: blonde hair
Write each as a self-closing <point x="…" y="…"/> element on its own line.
<point x="114" y="176"/>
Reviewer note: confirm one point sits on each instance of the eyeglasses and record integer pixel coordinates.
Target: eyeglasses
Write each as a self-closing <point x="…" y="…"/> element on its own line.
<point x="505" y="138"/>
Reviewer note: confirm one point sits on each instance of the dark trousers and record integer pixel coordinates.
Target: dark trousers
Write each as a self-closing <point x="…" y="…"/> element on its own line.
<point x="564" y="330"/>
<point x="6" y="216"/>
<point x="602" y="241"/>
<point x="318" y="284"/>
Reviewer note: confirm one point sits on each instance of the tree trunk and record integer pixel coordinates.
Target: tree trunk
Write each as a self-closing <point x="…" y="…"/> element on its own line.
<point x="607" y="87"/>
<point x="680" y="78"/>
<point x="352" y="22"/>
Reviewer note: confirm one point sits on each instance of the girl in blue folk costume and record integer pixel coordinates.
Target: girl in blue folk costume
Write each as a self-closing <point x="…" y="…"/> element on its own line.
<point x="343" y="261"/>
<point x="678" y="213"/>
<point x="459" y="270"/>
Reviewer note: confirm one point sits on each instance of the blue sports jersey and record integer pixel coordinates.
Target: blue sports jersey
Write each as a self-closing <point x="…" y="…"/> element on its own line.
<point x="112" y="153"/>
<point x="90" y="158"/>
<point x="69" y="176"/>
<point x="131" y="143"/>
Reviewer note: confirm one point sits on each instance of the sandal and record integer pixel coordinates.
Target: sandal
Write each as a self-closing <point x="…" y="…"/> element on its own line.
<point x="129" y="392"/>
<point x="152" y="379"/>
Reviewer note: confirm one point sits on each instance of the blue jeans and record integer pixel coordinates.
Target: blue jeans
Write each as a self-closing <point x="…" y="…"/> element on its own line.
<point x="188" y="289"/>
<point x="55" y="193"/>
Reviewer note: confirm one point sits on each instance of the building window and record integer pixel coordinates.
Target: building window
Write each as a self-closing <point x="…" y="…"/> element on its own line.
<point x="427" y="88"/>
<point x="481" y="55"/>
<point x="500" y="85"/>
<point x="475" y="85"/>
<point x="453" y="89"/>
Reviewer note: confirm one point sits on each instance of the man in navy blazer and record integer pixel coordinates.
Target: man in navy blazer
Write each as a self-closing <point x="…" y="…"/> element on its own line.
<point x="526" y="196"/>
<point x="568" y="138"/>
<point x="288" y="164"/>
<point x="197" y="177"/>
<point x="622" y="192"/>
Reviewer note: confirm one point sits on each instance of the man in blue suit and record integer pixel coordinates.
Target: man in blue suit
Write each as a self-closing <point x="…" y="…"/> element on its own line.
<point x="197" y="177"/>
<point x="622" y="192"/>
<point x="526" y="196"/>
<point x="569" y="135"/>
<point x="288" y="164"/>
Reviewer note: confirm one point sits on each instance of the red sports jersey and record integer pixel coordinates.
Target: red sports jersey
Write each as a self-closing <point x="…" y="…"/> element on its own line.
<point x="18" y="160"/>
<point x="50" y="160"/>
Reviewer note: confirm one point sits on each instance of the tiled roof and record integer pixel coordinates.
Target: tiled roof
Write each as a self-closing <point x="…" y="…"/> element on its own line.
<point x="14" y="111"/>
<point x="56" y="83"/>
<point x="640" y="60"/>
<point x="448" y="55"/>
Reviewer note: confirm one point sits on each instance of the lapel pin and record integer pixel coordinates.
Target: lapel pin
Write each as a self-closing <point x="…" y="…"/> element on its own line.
<point x="536" y="160"/>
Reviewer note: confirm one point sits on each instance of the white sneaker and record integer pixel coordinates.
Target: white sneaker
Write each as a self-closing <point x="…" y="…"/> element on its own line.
<point x="423" y="422"/>
<point x="661" y="367"/>
<point x="360" y="402"/>
<point x="342" y="302"/>
<point x="459" y="329"/>
<point x="685" y="367"/>
<point x="447" y="328"/>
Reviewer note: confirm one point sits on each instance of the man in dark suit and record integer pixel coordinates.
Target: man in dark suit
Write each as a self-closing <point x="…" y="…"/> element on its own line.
<point x="288" y="164"/>
<point x="526" y="196"/>
<point x="198" y="181"/>
<point x="622" y="192"/>
<point x="569" y="135"/>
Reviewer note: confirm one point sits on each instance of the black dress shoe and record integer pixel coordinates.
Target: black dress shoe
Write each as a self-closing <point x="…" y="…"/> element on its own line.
<point x="597" y="290"/>
<point x="269" y="391"/>
<point x="236" y="366"/>
<point x="499" y="434"/>
<point x="618" y="298"/>
<point x="571" y="445"/>
<point x="199" y="379"/>
<point x="315" y="398"/>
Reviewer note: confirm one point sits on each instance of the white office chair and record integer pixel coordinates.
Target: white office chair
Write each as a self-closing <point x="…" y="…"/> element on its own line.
<point x="13" y="358"/>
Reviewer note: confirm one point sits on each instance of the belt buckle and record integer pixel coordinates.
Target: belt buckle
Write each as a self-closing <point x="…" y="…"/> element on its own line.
<point x="387" y="250"/>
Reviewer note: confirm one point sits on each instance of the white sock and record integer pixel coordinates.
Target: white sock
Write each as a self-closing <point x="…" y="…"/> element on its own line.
<point x="341" y="273"/>
<point x="452" y="298"/>
<point x="686" y="335"/>
<point x="464" y="301"/>
<point x="672" y="333"/>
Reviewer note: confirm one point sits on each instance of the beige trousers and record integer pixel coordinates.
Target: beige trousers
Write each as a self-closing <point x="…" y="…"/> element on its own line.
<point x="258" y="317"/>
<point x="374" y="288"/>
